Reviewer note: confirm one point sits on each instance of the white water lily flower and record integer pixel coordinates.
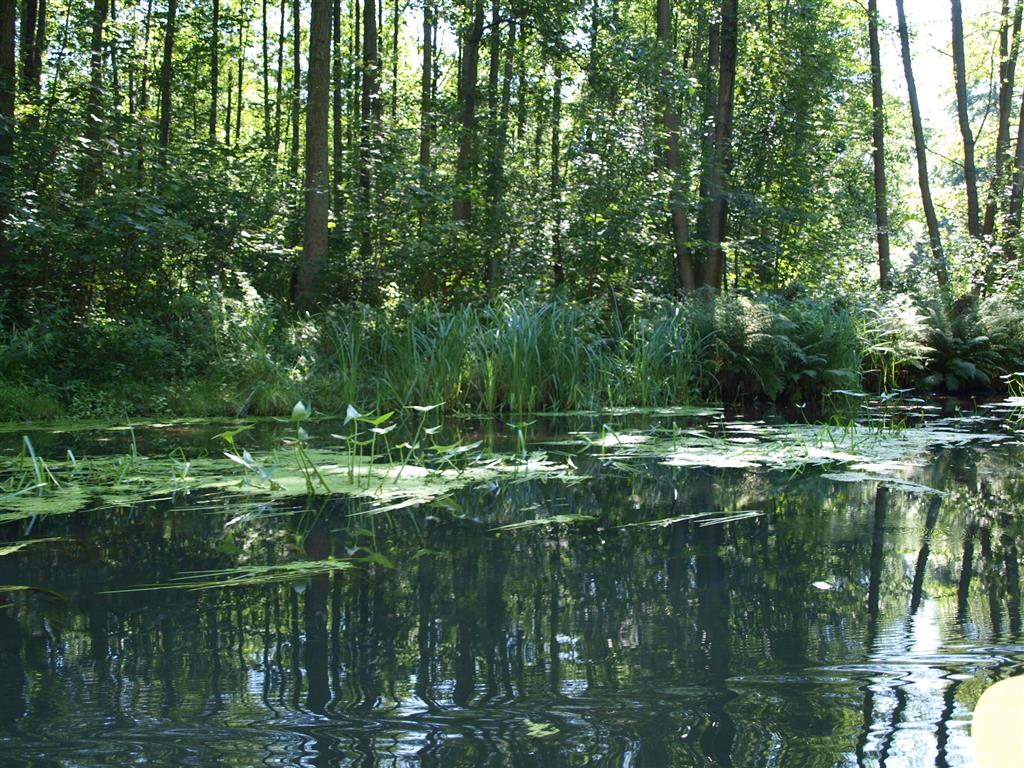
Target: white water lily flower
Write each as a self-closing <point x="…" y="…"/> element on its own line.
<point x="351" y="413"/>
<point x="301" y="411"/>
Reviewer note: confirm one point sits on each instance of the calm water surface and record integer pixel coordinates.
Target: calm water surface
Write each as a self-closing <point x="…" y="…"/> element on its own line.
<point x="849" y="625"/>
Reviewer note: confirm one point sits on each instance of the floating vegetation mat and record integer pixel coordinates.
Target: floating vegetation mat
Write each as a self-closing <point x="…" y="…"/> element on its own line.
<point x="78" y="484"/>
<point x="30" y="486"/>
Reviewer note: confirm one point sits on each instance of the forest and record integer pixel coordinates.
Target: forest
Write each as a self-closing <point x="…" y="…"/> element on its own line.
<point x="221" y="207"/>
<point x="511" y="383"/>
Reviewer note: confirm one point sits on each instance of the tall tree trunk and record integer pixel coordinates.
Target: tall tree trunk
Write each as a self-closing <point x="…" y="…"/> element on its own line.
<point x="33" y="66"/>
<point x="280" y="81"/>
<point x="293" y="157"/>
<point x="266" y="76"/>
<point x="426" y="80"/>
<point x="337" y="143"/>
<point x="317" y="195"/>
<point x="215" y="70"/>
<point x="717" y="186"/>
<point x="396" y="23"/>
<point x="921" y="151"/>
<point x="557" y="257"/>
<point x="497" y="181"/>
<point x="243" y="24"/>
<point x="462" y="208"/>
<point x="1013" y="212"/>
<point x="166" y="80"/>
<point x="960" y="76"/>
<point x="678" y="219"/>
<point x="8" y="90"/>
<point x="1008" y="53"/>
<point x="29" y="17"/>
<point x="227" y="110"/>
<point x="94" y="118"/>
<point x="369" y="112"/>
<point x="878" y="140"/>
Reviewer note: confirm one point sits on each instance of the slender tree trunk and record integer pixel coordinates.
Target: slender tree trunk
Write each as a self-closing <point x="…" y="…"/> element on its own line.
<point x="921" y="151"/>
<point x="280" y="82"/>
<point x="34" y="67"/>
<point x="227" y="110"/>
<point x="1008" y="53"/>
<point x="369" y="112"/>
<point x="8" y="89"/>
<point x="960" y="75"/>
<point x="678" y="219"/>
<point x="426" y="80"/>
<point x="497" y="190"/>
<point x="293" y="157"/>
<point x="462" y="208"/>
<point x="396" y="23"/>
<point x="29" y="17"/>
<point x="243" y="23"/>
<point x="317" y="195"/>
<point x="557" y="257"/>
<point x="166" y="80"/>
<point x="266" y="76"/>
<point x="94" y="117"/>
<point x="337" y="143"/>
<point x="720" y="163"/>
<point x="878" y="140"/>
<point x="215" y="70"/>
<point x="1013" y="212"/>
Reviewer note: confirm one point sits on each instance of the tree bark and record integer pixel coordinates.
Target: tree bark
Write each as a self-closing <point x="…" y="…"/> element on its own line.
<point x="718" y="183"/>
<point x="215" y="70"/>
<point x="293" y="157"/>
<point x="934" y="236"/>
<point x="317" y="193"/>
<point x="497" y="180"/>
<point x="396" y="22"/>
<point x="960" y="76"/>
<point x="94" y="117"/>
<point x="878" y="141"/>
<point x="8" y="91"/>
<point x="243" y="24"/>
<point x="462" y="208"/>
<point x="266" y="76"/>
<point x="166" y="79"/>
<point x="369" y="111"/>
<point x="279" y="85"/>
<point x="678" y="219"/>
<point x="29" y="17"/>
<point x="337" y="136"/>
<point x="557" y="257"/>
<point x="1008" y="53"/>
<point x="426" y="81"/>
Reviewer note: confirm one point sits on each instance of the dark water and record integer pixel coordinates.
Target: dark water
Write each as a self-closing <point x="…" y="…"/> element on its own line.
<point x="583" y="645"/>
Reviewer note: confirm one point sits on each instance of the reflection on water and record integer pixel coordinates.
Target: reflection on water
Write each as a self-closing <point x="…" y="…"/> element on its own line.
<point x="587" y="644"/>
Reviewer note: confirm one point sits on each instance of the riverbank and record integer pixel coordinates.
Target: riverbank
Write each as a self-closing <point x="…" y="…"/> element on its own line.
<point x="217" y="356"/>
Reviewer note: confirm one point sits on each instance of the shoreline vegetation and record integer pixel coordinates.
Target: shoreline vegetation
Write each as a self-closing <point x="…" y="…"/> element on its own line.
<point x="247" y="357"/>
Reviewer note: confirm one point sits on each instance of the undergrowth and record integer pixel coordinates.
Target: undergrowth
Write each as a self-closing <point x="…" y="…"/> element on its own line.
<point x="246" y="356"/>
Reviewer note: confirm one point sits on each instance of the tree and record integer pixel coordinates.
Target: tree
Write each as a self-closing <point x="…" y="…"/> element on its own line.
<point x="678" y="218"/>
<point x="878" y="143"/>
<point x="317" y="196"/>
<point x="369" y="114"/>
<point x="166" y="80"/>
<point x="1007" y="72"/>
<point x="426" y="85"/>
<point x="921" y="150"/>
<point x="94" y="114"/>
<point x="8" y="90"/>
<point x="215" y="70"/>
<point x="293" y="155"/>
<point x="960" y="76"/>
<point x="718" y="181"/>
<point x="462" y="207"/>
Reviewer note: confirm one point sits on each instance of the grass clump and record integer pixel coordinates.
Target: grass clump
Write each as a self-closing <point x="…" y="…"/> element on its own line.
<point x="247" y="356"/>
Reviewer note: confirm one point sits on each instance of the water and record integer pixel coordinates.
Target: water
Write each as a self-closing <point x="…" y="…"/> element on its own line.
<point x="850" y="624"/>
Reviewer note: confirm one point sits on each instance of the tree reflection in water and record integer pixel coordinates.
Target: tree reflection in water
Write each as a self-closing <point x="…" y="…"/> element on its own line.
<point x="572" y="645"/>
